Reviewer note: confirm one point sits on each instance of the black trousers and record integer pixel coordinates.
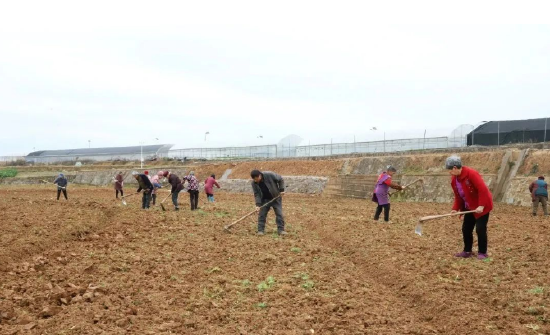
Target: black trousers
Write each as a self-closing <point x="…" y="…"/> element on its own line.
<point x="194" y="198"/>
<point x="154" y="197"/>
<point x="480" y="224"/>
<point x="121" y="193"/>
<point x="59" y="193"/>
<point x="379" y="208"/>
<point x="146" y="200"/>
<point x="277" y="206"/>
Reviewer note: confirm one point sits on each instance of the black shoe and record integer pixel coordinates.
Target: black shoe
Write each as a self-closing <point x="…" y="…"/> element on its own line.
<point x="177" y="209"/>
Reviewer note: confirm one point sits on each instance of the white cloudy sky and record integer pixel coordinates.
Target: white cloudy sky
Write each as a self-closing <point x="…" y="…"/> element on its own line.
<point x="121" y="72"/>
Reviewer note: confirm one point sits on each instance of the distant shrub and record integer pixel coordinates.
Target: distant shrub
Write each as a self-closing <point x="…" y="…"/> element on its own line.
<point x="19" y="162"/>
<point x="10" y="172"/>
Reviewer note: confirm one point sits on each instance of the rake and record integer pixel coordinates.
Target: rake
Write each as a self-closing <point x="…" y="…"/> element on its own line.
<point x="227" y="227"/>
<point x="418" y="228"/>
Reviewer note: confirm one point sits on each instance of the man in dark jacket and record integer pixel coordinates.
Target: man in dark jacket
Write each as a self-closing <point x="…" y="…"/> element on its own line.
<point x="539" y="194"/>
<point x="61" y="182"/>
<point x="147" y="187"/>
<point x="268" y="187"/>
<point x="177" y="186"/>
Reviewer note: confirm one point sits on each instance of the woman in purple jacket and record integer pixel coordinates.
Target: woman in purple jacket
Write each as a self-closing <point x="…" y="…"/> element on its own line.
<point x="381" y="195"/>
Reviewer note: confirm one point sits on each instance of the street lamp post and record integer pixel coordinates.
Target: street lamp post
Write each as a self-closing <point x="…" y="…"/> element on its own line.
<point x="141" y="153"/>
<point x="424" y="144"/>
<point x="384" y="143"/>
<point x="89" y="143"/>
<point x="205" y="134"/>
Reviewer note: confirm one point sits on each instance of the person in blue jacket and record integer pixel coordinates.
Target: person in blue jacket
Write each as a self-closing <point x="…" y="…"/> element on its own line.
<point x="539" y="194"/>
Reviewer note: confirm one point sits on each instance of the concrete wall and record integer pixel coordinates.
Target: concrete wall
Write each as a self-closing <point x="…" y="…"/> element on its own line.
<point x="517" y="192"/>
<point x="294" y="184"/>
<point x="434" y="188"/>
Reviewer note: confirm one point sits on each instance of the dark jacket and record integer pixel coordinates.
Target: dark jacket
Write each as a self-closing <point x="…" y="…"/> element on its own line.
<point x="176" y="183"/>
<point x="118" y="182"/>
<point x="144" y="183"/>
<point x="274" y="183"/>
<point x="61" y="182"/>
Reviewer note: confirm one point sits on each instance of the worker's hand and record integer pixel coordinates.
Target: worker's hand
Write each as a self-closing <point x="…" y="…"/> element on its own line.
<point x="403" y="187"/>
<point x="282" y="193"/>
<point x="480" y="209"/>
<point x="257" y="209"/>
<point x="453" y="211"/>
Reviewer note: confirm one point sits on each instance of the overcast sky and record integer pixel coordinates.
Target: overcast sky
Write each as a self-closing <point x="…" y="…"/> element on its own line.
<point x="118" y="73"/>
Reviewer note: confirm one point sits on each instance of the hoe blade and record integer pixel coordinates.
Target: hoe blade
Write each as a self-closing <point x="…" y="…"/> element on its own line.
<point x="418" y="229"/>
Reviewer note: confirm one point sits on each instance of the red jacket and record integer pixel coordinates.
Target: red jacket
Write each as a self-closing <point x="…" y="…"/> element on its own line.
<point x="209" y="185"/>
<point x="476" y="192"/>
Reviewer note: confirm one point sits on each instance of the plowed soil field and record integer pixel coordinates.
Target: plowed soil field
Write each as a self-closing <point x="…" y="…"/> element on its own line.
<point x="91" y="265"/>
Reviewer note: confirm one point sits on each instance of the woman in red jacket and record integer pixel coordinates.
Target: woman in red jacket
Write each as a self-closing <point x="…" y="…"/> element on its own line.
<point x="471" y="193"/>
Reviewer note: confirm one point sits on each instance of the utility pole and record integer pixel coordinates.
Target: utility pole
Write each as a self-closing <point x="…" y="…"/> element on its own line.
<point x="141" y="151"/>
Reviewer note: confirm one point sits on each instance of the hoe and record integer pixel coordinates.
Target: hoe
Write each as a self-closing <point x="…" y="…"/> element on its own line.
<point x="418" y="229"/>
<point x="227" y="227"/>
<point x="124" y="200"/>
<point x="54" y="184"/>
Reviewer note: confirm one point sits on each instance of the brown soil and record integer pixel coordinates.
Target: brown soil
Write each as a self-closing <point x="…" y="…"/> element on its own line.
<point x="91" y="265"/>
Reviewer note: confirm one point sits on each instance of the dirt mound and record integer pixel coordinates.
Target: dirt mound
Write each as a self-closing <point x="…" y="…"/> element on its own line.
<point x="484" y="162"/>
<point x="324" y="168"/>
<point x="536" y="163"/>
<point x="91" y="265"/>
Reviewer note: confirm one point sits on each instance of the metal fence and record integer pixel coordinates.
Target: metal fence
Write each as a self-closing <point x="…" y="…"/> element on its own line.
<point x="385" y="146"/>
<point x="274" y="151"/>
<point x="7" y="159"/>
<point x="267" y="151"/>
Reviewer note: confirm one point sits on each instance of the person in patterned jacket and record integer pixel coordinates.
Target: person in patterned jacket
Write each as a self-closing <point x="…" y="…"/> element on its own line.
<point x="193" y="189"/>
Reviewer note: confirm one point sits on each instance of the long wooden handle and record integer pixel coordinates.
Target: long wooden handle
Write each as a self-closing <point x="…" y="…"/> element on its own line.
<point x="54" y="184"/>
<point x="130" y="195"/>
<point x="166" y="198"/>
<point x="408" y="185"/>
<point x="249" y="214"/>
<point x="428" y="218"/>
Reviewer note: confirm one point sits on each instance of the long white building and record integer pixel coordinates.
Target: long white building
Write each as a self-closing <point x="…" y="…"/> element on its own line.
<point x="131" y="153"/>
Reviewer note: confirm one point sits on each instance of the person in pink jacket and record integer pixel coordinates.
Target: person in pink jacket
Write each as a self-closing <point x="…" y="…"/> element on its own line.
<point x="209" y="187"/>
<point x="156" y="183"/>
